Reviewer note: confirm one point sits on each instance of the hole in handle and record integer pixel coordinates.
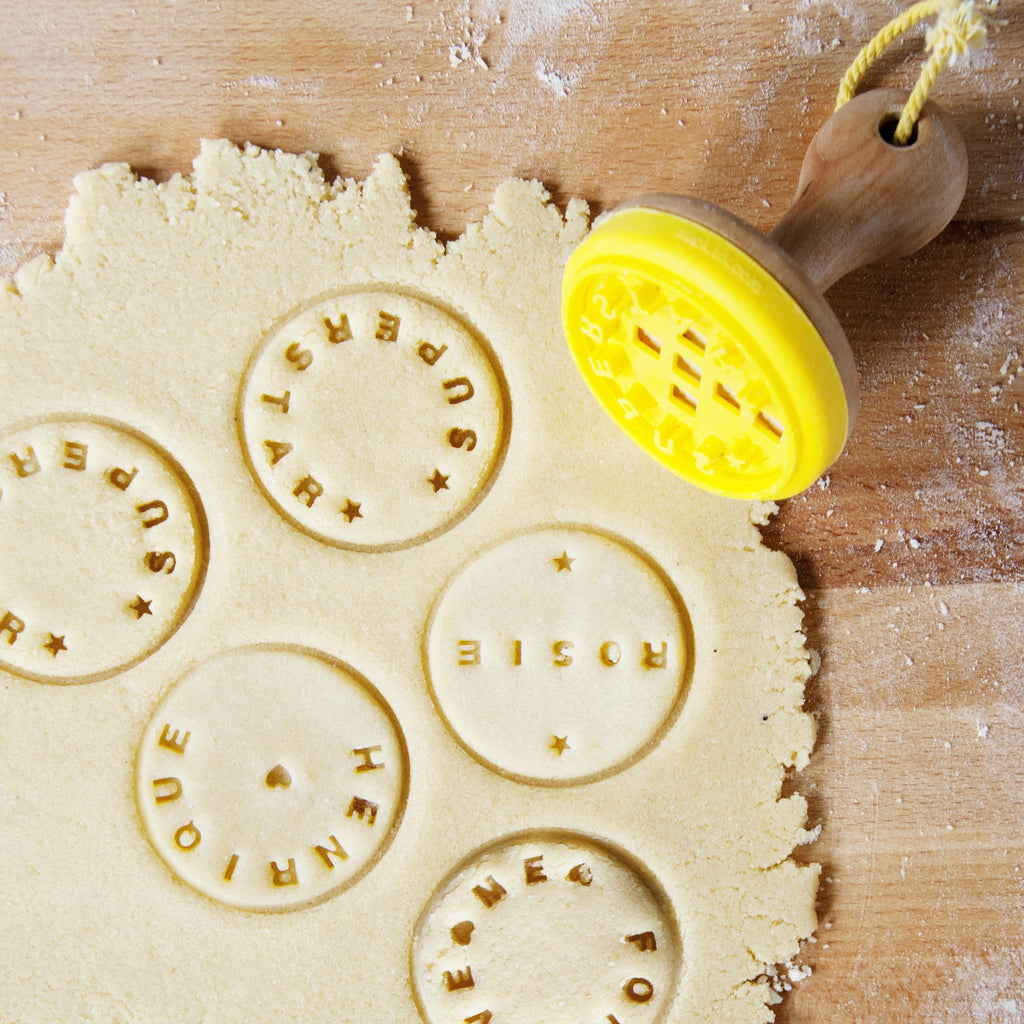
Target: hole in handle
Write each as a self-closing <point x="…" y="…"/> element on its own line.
<point x="887" y="129"/>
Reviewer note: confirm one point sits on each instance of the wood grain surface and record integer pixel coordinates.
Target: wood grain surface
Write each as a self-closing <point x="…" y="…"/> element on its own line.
<point x="911" y="549"/>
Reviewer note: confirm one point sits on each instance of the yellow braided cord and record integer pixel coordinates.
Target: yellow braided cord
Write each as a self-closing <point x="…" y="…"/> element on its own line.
<point x="882" y="41"/>
<point x="912" y="110"/>
<point x="960" y="30"/>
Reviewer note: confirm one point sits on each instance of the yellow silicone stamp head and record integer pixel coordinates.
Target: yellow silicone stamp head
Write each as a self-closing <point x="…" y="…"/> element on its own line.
<point x="700" y="354"/>
<point x="712" y="345"/>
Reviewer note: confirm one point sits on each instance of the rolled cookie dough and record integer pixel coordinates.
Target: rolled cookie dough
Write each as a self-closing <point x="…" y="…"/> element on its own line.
<point x="352" y="663"/>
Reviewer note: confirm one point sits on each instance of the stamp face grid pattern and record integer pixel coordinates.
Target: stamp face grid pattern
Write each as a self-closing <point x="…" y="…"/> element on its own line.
<point x="104" y="546"/>
<point x="655" y="357"/>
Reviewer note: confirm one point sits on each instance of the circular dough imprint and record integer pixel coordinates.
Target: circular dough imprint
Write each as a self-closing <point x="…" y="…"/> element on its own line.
<point x="549" y="926"/>
<point x="270" y="778"/>
<point x="373" y="419"/>
<point x="105" y="548"/>
<point x="558" y="656"/>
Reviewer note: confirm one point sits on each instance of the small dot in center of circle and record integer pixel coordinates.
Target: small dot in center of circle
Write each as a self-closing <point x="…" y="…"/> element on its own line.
<point x="279" y="777"/>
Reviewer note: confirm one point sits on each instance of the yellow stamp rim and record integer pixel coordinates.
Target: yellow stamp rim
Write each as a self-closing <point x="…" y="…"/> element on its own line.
<point x="701" y="356"/>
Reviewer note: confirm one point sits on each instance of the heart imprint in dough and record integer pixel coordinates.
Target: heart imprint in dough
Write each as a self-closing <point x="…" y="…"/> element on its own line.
<point x="279" y="777"/>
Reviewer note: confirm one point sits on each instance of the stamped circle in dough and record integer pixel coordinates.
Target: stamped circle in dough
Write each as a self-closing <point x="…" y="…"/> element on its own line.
<point x="373" y="419"/>
<point x="558" y="656"/>
<point x="269" y="778"/>
<point x="104" y="545"/>
<point x="550" y="926"/>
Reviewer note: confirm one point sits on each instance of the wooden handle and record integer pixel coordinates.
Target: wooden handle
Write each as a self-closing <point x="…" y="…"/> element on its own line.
<point x="861" y="198"/>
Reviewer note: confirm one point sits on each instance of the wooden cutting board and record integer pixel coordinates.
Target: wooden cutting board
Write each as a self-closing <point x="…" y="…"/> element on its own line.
<point x="910" y="551"/>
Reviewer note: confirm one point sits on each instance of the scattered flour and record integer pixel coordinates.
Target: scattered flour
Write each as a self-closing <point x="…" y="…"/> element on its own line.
<point x="537" y="25"/>
<point x="816" y="27"/>
<point x="558" y="82"/>
<point x="527" y="20"/>
<point x="273" y="85"/>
